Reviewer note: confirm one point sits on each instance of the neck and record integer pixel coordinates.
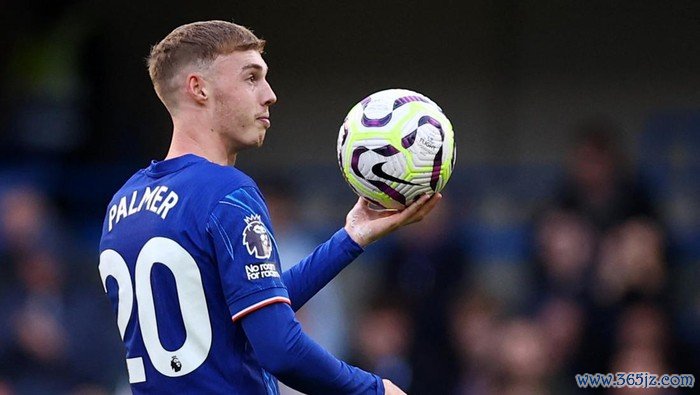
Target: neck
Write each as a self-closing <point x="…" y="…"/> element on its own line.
<point x="194" y="136"/>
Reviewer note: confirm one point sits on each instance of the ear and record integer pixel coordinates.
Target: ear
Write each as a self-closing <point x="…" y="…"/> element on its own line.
<point x="197" y="88"/>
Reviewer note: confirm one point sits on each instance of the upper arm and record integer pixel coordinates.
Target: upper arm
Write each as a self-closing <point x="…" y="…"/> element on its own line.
<point x="246" y="253"/>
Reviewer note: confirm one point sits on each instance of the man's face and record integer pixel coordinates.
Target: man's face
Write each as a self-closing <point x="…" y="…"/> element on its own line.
<point x="242" y="98"/>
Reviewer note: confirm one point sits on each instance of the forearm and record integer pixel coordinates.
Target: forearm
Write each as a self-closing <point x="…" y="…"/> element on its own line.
<point x="310" y="275"/>
<point x="285" y="351"/>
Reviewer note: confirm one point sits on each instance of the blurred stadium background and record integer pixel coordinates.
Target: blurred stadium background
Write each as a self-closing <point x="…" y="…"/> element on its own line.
<point x="568" y="241"/>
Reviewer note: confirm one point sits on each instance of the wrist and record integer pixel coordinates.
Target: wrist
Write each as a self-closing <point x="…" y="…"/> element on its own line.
<point x="343" y="239"/>
<point x="357" y="235"/>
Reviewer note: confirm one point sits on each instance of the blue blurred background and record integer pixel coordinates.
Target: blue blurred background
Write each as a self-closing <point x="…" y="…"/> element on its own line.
<point x="568" y="240"/>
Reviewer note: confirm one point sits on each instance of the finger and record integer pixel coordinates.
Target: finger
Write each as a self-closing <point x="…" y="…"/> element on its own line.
<point x="431" y="203"/>
<point x="411" y="210"/>
<point x="420" y="202"/>
<point x="426" y="208"/>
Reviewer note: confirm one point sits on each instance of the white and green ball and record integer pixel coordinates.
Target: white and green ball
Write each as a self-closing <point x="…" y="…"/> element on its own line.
<point x="394" y="146"/>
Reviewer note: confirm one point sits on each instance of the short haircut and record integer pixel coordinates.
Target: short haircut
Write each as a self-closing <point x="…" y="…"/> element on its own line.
<point x="196" y="43"/>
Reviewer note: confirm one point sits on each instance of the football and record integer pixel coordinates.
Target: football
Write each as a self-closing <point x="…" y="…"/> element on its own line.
<point x="394" y="146"/>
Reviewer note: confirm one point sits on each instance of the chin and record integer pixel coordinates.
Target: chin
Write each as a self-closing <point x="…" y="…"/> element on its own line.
<point x="261" y="139"/>
<point x="252" y="142"/>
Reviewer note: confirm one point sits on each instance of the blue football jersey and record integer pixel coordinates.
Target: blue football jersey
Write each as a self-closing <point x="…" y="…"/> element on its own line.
<point x="186" y="250"/>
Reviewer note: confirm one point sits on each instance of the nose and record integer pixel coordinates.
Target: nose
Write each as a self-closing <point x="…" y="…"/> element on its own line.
<point x="269" y="96"/>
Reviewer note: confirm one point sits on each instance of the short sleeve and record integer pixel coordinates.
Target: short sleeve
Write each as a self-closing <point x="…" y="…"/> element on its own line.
<point x="246" y="252"/>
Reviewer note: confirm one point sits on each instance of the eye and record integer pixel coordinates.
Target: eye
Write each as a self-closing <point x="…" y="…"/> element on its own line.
<point x="252" y="78"/>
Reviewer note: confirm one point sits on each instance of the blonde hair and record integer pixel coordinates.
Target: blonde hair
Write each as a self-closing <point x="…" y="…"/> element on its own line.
<point x="195" y="43"/>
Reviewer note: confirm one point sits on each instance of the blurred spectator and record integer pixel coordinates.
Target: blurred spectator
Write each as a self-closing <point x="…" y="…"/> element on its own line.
<point x="46" y="343"/>
<point x="384" y="334"/>
<point x="37" y="356"/>
<point x="631" y="267"/>
<point x="632" y="262"/>
<point x="562" y="321"/>
<point x="474" y="321"/>
<point x="24" y="220"/>
<point x="640" y="359"/>
<point x="30" y="222"/>
<point x="523" y="358"/>
<point x="565" y="249"/>
<point x="599" y="186"/>
<point x="424" y="266"/>
<point x="598" y="248"/>
<point x="642" y="344"/>
<point x="643" y="325"/>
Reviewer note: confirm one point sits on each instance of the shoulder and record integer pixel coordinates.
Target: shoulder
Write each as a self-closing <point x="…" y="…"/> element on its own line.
<point x="227" y="187"/>
<point x="128" y="185"/>
<point x="210" y="183"/>
<point x="240" y="198"/>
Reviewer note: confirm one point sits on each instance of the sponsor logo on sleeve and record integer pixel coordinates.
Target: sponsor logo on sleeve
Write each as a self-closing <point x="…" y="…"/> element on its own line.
<point x="256" y="238"/>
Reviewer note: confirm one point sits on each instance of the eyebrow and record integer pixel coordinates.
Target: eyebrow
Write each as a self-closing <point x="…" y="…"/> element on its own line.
<point x="252" y="66"/>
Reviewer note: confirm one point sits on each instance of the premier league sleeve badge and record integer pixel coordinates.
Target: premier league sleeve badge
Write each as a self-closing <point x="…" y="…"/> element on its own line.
<point x="256" y="238"/>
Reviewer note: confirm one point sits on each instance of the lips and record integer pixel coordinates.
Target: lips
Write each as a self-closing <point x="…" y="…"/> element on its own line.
<point x="265" y="120"/>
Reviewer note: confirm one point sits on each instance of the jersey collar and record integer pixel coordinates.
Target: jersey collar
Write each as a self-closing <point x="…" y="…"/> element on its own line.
<point x="159" y="168"/>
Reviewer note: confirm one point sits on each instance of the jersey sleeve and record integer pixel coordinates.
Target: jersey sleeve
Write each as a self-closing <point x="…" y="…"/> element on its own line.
<point x="246" y="252"/>
<point x="284" y="350"/>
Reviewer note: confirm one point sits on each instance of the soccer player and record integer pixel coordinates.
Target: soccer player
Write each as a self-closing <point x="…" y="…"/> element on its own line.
<point x="188" y="257"/>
